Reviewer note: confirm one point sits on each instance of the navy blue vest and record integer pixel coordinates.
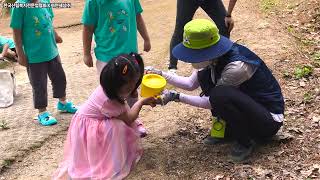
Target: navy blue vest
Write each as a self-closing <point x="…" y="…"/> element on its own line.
<point x="261" y="87"/>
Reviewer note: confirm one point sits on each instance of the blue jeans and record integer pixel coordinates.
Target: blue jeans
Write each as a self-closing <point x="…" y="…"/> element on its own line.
<point x="185" y="11"/>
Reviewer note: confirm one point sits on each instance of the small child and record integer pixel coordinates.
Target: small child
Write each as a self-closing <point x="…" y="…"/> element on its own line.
<point x="114" y="25"/>
<point x="35" y="40"/>
<point x="102" y="141"/>
<point x="7" y="49"/>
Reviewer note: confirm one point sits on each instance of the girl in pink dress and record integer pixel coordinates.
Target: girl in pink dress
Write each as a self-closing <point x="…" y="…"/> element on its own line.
<point x="103" y="139"/>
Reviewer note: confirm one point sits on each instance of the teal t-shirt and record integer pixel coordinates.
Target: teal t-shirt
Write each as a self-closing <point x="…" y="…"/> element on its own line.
<point x="38" y="38"/>
<point x="4" y="40"/>
<point x="115" y="26"/>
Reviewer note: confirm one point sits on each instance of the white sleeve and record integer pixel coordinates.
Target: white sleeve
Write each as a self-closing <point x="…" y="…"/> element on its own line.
<point x="197" y="101"/>
<point x="187" y="83"/>
<point x="235" y="73"/>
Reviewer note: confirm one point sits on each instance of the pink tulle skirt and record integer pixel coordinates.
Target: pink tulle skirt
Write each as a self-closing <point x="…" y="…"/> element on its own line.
<point x="99" y="149"/>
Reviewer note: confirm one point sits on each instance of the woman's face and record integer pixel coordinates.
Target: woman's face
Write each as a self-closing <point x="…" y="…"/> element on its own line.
<point x="128" y="88"/>
<point x="201" y="65"/>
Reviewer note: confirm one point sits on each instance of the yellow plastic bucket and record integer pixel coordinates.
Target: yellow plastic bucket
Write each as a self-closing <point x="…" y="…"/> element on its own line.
<point x="152" y="85"/>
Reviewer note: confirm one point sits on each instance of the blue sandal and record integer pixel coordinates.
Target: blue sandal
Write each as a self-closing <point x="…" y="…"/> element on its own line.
<point x="46" y="119"/>
<point x="68" y="107"/>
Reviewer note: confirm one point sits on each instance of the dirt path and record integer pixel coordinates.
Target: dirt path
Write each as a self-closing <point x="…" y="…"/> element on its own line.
<point x="173" y="149"/>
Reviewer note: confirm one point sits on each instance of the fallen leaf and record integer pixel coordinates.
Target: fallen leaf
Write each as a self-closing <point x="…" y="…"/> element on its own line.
<point x="283" y="137"/>
<point x="296" y="130"/>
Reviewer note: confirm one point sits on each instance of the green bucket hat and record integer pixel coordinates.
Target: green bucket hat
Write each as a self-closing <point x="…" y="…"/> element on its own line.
<point x="201" y="42"/>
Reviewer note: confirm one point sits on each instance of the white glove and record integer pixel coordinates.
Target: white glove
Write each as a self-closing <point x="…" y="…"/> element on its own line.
<point x="169" y="95"/>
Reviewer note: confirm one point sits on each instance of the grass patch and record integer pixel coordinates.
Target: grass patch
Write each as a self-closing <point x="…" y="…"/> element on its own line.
<point x="7" y="162"/>
<point x="267" y="5"/>
<point x="291" y="6"/>
<point x="307" y="97"/>
<point x="290" y="29"/>
<point x="303" y="72"/>
<point x="316" y="59"/>
<point x="316" y="56"/>
<point x="4" y="125"/>
<point x="286" y="75"/>
<point x="307" y="42"/>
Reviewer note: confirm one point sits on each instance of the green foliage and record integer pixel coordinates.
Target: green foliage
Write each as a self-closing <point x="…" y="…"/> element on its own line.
<point x="316" y="56"/>
<point x="290" y="29"/>
<point x="316" y="59"/>
<point x="303" y="72"/>
<point x="7" y="162"/>
<point x="307" y="97"/>
<point x="4" y="125"/>
<point x="286" y="75"/>
<point x="267" y="5"/>
<point x="307" y="42"/>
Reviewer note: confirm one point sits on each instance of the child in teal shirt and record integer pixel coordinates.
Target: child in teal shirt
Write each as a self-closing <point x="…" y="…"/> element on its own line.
<point x="35" y="40"/>
<point x="114" y="25"/>
<point x="7" y="49"/>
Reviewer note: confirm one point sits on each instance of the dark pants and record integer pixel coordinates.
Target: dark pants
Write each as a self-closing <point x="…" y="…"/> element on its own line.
<point x="38" y="75"/>
<point x="185" y="11"/>
<point x="245" y="118"/>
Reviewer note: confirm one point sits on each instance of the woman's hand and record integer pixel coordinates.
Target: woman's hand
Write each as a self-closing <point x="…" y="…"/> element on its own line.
<point x="167" y="96"/>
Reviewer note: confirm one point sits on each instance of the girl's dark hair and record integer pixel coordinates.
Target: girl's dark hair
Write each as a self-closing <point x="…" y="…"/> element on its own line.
<point x="120" y="71"/>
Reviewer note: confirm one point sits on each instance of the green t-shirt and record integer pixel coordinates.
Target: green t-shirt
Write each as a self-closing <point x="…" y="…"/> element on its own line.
<point x="4" y="40"/>
<point x="115" y="26"/>
<point x="38" y="38"/>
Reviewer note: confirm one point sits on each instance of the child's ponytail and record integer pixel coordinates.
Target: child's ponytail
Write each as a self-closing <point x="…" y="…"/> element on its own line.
<point x="138" y="61"/>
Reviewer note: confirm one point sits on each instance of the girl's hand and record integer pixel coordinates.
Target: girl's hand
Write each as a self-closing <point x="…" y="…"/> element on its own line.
<point x="22" y="60"/>
<point x="87" y="59"/>
<point x="147" y="46"/>
<point x="152" y="70"/>
<point x="149" y="101"/>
